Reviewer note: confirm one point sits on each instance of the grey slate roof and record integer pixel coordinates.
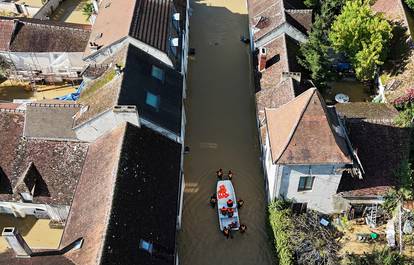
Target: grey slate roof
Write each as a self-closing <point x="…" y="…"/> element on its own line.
<point x="129" y="190"/>
<point x="132" y="87"/>
<point x="50" y="121"/>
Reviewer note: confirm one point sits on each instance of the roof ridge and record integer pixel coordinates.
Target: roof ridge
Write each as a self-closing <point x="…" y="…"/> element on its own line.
<point x="64" y="105"/>
<point x="313" y="90"/>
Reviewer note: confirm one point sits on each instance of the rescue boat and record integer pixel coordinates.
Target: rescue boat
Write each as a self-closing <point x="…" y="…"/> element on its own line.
<point x="230" y="216"/>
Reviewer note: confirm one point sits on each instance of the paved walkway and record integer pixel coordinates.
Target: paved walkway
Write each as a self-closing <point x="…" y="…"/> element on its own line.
<point x="221" y="132"/>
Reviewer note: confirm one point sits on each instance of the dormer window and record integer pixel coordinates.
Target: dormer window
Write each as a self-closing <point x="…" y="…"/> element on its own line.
<point x="176" y="21"/>
<point x="174" y="46"/>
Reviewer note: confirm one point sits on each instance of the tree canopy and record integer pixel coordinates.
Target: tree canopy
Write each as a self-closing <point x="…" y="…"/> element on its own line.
<point x="363" y="36"/>
<point x="314" y="53"/>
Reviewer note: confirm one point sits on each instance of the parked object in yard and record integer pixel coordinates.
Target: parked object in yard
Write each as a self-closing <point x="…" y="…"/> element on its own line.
<point x="341" y="98"/>
<point x="225" y="192"/>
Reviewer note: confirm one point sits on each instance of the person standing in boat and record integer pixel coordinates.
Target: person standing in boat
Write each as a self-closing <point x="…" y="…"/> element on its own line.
<point x="219" y="174"/>
<point x="230" y="175"/>
<point x="230" y="212"/>
<point x="213" y="200"/>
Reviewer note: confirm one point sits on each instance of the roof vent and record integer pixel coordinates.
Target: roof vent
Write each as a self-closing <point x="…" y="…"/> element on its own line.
<point x="176" y="16"/>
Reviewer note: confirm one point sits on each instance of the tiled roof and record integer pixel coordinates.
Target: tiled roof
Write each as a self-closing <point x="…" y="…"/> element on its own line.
<point x="301" y="132"/>
<point x="266" y="16"/>
<point x="273" y="89"/>
<point x="129" y="168"/>
<point x="9" y="258"/>
<point x="379" y="144"/>
<point x="50" y="121"/>
<point x="58" y="163"/>
<point x="392" y="10"/>
<point x="6" y="33"/>
<point x="132" y="88"/>
<point x="383" y="113"/>
<point x="33" y="35"/>
<point x="149" y="21"/>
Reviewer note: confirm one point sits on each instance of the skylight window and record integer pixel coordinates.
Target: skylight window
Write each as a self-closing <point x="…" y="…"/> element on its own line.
<point x="157" y="73"/>
<point x="152" y="100"/>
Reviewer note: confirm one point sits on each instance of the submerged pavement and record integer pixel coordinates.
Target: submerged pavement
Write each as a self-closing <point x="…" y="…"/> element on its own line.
<point x="221" y="132"/>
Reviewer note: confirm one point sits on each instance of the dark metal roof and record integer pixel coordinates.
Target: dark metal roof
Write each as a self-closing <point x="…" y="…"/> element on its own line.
<point x="129" y="190"/>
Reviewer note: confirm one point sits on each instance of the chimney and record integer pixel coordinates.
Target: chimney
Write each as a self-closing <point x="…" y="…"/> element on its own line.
<point x="16" y="242"/>
<point x="262" y="59"/>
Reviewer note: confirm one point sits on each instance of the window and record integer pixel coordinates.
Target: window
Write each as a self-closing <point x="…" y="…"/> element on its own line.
<point x="157" y="73"/>
<point x="176" y="21"/>
<point x="152" y="100"/>
<point x="174" y="46"/>
<point x="305" y="183"/>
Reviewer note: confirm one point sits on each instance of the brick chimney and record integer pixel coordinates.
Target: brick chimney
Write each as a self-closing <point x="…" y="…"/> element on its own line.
<point x="16" y="242"/>
<point x="262" y="59"/>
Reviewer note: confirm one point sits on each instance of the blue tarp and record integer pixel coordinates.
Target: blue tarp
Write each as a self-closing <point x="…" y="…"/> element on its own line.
<point x="73" y="96"/>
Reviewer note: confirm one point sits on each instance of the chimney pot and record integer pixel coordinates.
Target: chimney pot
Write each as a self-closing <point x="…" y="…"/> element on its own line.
<point x="16" y="242"/>
<point x="262" y="59"/>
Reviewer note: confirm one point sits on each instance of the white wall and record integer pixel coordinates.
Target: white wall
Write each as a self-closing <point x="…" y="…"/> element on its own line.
<point x="20" y="209"/>
<point x="325" y="185"/>
<point x="65" y="64"/>
<point x="283" y="181"/>
<point x="46" y="10"/>
<point x="105" y="122"/>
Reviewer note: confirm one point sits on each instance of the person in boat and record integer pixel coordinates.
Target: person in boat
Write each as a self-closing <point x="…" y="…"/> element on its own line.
<point x="240" y="203"/>
<point x="230" y="175"/>
<point x="219" y="173"/>
<point x="242" y="228"/>
<point x="226" y="232"/>
<point x="233" y="224"/>
<point x="213" y="200"/>
<point x="230" y="203"/>
<point x="223" y="210"/>
<point x="230" y="212"/>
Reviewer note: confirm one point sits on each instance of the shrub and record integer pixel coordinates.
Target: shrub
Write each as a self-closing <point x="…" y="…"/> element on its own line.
<point x="282" y="230"/>
<point x="410" y="3"/>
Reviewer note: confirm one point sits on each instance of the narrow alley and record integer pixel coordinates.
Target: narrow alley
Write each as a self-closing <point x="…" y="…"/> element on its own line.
<point x="221" y="132"/>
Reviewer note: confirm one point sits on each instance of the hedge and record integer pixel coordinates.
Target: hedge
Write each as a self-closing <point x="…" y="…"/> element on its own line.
<point x="280" y="221"/>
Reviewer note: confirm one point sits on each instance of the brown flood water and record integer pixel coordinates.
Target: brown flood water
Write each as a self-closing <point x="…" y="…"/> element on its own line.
<point x="221" y="132"/>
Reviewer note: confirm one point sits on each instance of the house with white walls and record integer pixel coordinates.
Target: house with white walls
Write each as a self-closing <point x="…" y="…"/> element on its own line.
<point x="42" y="50"/>
<point x="305" y="152"/>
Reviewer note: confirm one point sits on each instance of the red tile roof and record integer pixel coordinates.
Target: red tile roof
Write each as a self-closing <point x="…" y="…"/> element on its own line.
<point x="301" y="132"/>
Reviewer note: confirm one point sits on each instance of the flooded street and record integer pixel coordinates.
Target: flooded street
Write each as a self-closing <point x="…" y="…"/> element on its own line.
<point x="221" y="132"/>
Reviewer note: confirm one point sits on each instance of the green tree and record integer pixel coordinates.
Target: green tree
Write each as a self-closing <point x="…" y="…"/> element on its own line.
<point x="314" y="53"/>
<point x="404" y="190"/>
<point x="382" y="257"/>
<point x="410" y="3"/>
<point x="87" y="10"/>
<point x="363" y="36"/>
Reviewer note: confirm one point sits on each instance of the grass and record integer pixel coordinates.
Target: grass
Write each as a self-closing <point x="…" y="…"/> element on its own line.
<point x="97" y="84"/>
<point x="385" y="78"/>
